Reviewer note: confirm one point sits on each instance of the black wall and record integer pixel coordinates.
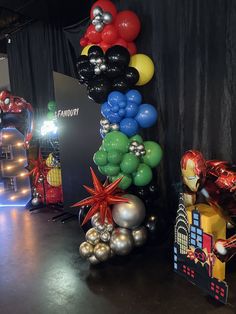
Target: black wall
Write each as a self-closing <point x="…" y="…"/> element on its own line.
<point x="79" y="137"/>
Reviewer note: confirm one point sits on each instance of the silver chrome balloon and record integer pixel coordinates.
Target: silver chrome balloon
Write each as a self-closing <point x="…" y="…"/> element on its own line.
<point x="104" y="121"/>
<point x="105" y="236"/>
<point x="115" y="127"/>
<point x="121" y="242"/>
<point x="99" y="27"/>
<point x="139" y="235"/>
<point x="93" y="260"/>
<point x="109" y="227"/>
<point x="35" y="201"/>
<point x="103" y="67"/>
<point x="92" y="60"/>
<point x="86" y="250"/>
<point x="92" y="236"/>
<point x="97" y="11"/>
<point x="131" y="214"/>
<point x="97" y="70"/>
<point x="102" y="252"/>
<point x="107" y="18"/>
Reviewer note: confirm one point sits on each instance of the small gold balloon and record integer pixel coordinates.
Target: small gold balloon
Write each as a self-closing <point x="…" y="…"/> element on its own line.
<point x="86" y="250"/>
<point x="49" y="160"/>
<point x="92" y="236"/>
<point x="139" y="235"/>
<point x="102" y="252"/>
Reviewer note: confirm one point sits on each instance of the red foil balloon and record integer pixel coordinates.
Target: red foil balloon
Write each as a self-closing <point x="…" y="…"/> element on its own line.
<point x="106" y="6"/>
<point x="54" y="195"/>
<point x="128" y="25"/>
<point x="132" y="48"/>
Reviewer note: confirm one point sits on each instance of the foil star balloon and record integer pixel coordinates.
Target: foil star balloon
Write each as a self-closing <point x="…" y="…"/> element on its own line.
<point x="38" y="167"/>
<point x="102" y="196"/>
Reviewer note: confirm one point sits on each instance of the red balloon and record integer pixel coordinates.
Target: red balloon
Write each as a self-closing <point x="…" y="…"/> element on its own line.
<point x="121" y="42"/>
<point x="132" y="48"/>
<point x="83" y="42"/>
<point x="128" y="25"/>
<point x="93" y="36"/>
<point x="106" y="6"/>
<point x="104" y="46"/>
<point x="53" y="195"/>
<point x="109" y="34"/>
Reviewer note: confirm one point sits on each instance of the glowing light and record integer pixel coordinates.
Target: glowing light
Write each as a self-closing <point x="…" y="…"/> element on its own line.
<point x="25" y="191"/>
<point x="6" y="135"/>
<point x="21" y="159"/>
<point x="12" y="198"/>
<point x="19" y="144"/>
<point x="22" y="174"/>
<point x="49" y="127"/>
<point x="9" y="167"/>
<point x="1" y="190"/>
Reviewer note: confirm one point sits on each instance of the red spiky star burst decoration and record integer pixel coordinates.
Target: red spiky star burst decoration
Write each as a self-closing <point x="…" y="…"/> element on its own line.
<point x="39" y="168"/>
<point x="102" y="196"/>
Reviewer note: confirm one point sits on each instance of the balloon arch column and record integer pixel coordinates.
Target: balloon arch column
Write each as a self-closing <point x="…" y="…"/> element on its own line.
<point x="111" y="68"/>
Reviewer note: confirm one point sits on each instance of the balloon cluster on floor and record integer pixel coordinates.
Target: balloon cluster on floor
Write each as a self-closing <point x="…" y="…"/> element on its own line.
<point x="47" y="185"/>
<point x="114" y="220"/>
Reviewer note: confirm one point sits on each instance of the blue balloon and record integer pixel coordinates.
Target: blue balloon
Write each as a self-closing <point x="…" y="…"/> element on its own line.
<point x="131" y="109"/>
<point x="146" y="116"/>
<point x="129" y="126"/>
<point x="134" y="95"/>
<point x="122" y="104"/>
<point x="122" y="113"/>
<point x="115" y="108"/>
<point x="114" y="98"/>
<point x="113" y="117"/>
<point x="105" y="109"/>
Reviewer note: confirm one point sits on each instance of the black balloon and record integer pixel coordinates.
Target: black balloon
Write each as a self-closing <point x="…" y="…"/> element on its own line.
<point x="95" y="52"/>
<point x="81" y="60"/>
<point x="98" y="89"/>
<point x="132" y="76"/>
<point x="120" y="84"/>
<point x="152" y="223"/>
<point x="86" y="71"/>
<point x="118" y="55"/>
<point x="114" y="71"/>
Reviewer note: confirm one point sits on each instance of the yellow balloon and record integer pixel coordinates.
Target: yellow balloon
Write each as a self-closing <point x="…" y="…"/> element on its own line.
<point x="145" y="67"/>
<point x="54" y="177"/>
<point x="49" y="160"/>
<point x="84" y="52"/>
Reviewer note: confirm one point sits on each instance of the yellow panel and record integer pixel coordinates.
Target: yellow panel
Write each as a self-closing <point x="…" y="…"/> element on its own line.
<point x="211" y="223"/>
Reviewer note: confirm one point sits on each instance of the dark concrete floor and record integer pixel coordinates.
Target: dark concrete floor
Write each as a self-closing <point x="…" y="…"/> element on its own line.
<point x="41" y="273"/>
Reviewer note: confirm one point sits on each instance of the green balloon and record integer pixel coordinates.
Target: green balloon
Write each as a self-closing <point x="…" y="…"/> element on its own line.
<point x="52" y="106"/>
<point x="143" y="176"/>
<point x="153" y="154"/>
<point x="50" y="115"/>
<point x="114" y="157"/>
<point x="101" y="171"/>
<point x="116" y="141"/>
<point x="100" y="158"/>
<point x="129" y="163"/>
<point x="111" y="170"/>
<point x="137" y="138"/>
<point x="125" y="182"/>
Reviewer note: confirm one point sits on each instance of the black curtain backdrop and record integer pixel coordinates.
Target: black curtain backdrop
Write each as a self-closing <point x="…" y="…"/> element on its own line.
<point x="193" y="45"/>
<point x="33" y="54"/>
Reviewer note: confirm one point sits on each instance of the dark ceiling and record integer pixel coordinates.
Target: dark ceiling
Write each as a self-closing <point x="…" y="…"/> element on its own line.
<point x="15" y="14"/>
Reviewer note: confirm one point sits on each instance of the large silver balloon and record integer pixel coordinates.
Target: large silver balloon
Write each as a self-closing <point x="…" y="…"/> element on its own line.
<point x="131" y="214"/>
<point x="121" y="242"/>
<point x="139" y="235"/>
<point x="97" y="11"/>
<point x="86" y="250"/>
<point x="107" y="18"/>
<point x="102" y="252"/>
<point x="35" y="201"/>
<point x="93" y="260"/>
<point x="92" y="236"/>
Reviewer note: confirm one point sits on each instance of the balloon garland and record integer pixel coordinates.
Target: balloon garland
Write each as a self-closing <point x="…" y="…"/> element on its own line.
<point x="111" y="68"/>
